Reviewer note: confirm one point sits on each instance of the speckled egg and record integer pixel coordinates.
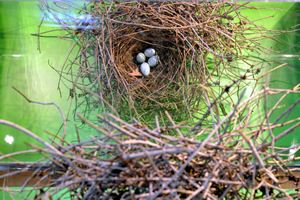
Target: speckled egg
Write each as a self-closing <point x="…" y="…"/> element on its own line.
<point x="140" y="58"/>
<point x="149" y="52"/>
<point x="153" y="61"/>
<point x="145" y="69"/>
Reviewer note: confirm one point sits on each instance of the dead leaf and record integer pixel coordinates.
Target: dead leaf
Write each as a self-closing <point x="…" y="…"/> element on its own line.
<point x="135" y="73"/>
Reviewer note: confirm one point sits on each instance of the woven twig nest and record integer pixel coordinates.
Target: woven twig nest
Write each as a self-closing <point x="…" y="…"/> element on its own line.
<point x="131" y="28"/>
<point x="185" y="35"/>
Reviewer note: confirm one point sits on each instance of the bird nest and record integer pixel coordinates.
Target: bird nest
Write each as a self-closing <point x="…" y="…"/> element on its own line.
<point x="185" y="36"/>
<point x="166" y="27"/>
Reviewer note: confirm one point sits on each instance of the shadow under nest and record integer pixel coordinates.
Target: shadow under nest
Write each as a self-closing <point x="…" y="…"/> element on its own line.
<point x="182" y="40"/>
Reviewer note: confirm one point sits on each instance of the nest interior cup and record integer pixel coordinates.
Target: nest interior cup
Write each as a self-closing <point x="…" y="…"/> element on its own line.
<point x="127" y="47"/>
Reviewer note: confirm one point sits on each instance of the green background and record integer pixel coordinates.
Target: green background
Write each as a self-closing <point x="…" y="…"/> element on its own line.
<point x="24" y="67"/>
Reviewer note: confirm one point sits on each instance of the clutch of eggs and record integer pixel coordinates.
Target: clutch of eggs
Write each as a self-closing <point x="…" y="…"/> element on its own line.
<point x="147" y="60"/>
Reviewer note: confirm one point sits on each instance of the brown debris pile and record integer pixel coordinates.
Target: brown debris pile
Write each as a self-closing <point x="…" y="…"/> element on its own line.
<point x="237" y="157"/>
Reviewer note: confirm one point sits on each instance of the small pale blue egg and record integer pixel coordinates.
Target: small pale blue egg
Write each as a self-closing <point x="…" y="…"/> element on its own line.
<point x="149" y="52"/>
<point x="145" y="69"/>
<point x="140" y="58"/>
<point x="153" y="61"/>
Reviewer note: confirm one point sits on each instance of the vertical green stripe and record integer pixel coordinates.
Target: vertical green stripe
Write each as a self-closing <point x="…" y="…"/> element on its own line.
<point x="288" y="77"/>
